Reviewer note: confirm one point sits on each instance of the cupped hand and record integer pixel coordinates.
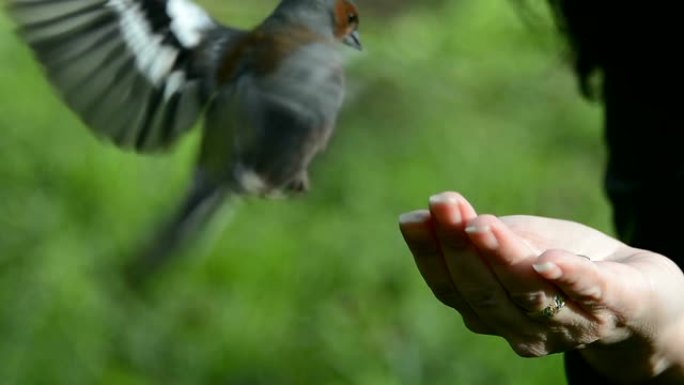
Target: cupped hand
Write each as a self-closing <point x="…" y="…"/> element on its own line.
<point x="549" y="285"/>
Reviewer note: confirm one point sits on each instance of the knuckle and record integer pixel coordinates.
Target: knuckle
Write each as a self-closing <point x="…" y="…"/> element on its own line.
<point x="529" y="301"/>
<point x="586" y="295"/>
<point x="564" y="338"/>
<point x="528" y="349"/>
<point x="592" y="295"/>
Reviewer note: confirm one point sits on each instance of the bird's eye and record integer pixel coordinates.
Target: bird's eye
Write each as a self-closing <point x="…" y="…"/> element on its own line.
<point x="352" y="19"/>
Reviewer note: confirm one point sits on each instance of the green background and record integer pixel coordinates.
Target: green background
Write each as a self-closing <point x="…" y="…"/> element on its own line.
<point x="472" y="95"/>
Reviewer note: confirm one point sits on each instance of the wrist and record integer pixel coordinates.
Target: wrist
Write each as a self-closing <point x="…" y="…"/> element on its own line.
<point x="630" y="361"/>
<point x="646" y="345"/>
<point x="640" y="360"/>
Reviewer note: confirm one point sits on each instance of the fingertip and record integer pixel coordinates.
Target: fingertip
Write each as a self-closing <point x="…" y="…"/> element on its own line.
<point x="444" y="208"/>
<point x="481" y="224"/>
<point x="414" y="217"/>
<point x="477" y="229"/>
<point x="415" y="226"/>
<point x="483" y="220"/>
<point x="552" y="264"/>
<point x="548" y="270"/>
<point x="576" y="275"/>
<point x="467" y="210"/>
<point x="564" y="259"/>
<point x="447" y="197"/>
<point x="480" y="230"/>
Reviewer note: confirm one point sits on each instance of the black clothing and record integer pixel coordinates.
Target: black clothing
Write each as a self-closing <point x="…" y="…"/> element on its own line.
<point x="642" y="86"/>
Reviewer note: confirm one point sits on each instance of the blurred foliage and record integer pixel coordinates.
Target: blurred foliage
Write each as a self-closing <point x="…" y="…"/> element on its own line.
<point x="462" y="95"/>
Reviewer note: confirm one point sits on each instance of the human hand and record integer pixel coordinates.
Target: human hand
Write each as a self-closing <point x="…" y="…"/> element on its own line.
<point x="501" y="273"/>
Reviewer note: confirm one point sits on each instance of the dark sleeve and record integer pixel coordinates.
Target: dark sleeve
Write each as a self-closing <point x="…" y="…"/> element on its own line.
<point x="644" y="181"/>
<point x="577" y="371"/>
<point x="644" y="129"/>
<point x="645" y="174"/>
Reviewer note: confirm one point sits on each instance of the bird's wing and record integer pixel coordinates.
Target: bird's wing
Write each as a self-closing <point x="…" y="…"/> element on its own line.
<point x="137" y="72"/>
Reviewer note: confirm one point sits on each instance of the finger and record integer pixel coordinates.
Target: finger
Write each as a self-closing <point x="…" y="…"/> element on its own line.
<point x="510" y="258"/>
<point x="577" y="276"/>
<point x="451" y="212"/>
<point x="455" y="211"/>
<point x="601" y="291"/>
<point x="417" y="231"/>
<point x="471" y="276"/>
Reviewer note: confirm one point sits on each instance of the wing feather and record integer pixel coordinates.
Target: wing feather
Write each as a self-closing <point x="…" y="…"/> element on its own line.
<point x="137" y="72"/>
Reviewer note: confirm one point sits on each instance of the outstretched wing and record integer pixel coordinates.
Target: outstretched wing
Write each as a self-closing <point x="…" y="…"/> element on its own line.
<point x="138" y="72"/>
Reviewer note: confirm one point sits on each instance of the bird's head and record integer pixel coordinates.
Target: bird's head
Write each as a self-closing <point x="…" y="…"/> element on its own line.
<point x="338" y="19"/>
<point x="346" y="20"/>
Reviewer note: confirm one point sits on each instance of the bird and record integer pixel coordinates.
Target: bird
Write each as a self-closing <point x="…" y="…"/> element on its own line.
<point x="141" y="73"/>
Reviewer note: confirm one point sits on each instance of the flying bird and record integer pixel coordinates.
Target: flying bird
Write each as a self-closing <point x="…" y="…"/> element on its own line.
<point x="140" y="73"/>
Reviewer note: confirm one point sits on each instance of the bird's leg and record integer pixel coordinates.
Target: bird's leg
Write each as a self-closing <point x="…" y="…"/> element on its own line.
<point x="300" y="184"/>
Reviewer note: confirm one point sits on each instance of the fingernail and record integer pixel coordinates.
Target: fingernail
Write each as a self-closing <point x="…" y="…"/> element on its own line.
<point x="487" y="239"/>
<point x="548" y="270"/>
<point x="444" y="197"/>
<point x="452" y="215"/>
<point x="418" y="216"/>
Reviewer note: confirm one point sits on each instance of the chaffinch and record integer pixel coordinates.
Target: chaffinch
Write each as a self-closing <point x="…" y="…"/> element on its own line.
<point x="139" y="73"/>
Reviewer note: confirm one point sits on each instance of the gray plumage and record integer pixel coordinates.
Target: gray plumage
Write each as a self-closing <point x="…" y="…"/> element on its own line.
<point x="140" y="73"/>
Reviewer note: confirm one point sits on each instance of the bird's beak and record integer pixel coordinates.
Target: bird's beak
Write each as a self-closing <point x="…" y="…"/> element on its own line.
<point x="353" y="40"/>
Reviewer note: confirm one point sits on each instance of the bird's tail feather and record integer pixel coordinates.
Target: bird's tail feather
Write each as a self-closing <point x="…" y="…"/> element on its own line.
<point x="192" y="215"/>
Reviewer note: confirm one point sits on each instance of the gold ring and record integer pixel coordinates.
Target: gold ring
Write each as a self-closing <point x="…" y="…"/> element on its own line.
<point x="551" y="310"/>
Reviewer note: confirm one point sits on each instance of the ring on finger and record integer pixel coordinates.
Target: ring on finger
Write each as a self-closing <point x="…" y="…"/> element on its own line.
<point x="549" y="311"/>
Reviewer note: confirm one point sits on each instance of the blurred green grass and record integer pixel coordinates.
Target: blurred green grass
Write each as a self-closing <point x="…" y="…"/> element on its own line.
<point x="458" y="95"/>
